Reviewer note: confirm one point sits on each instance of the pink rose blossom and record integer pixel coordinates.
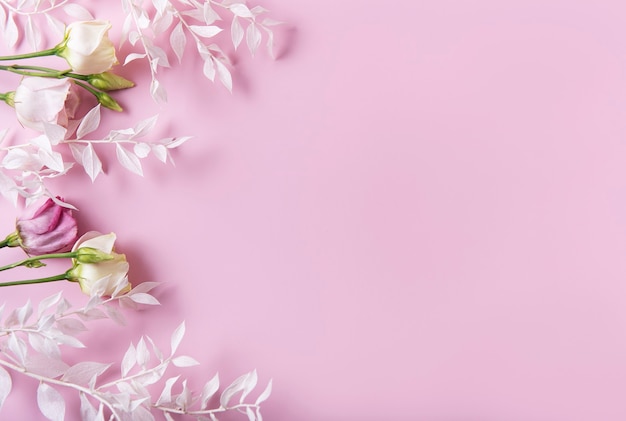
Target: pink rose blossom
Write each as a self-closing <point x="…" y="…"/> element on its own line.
<point x="51" y="229"/>
<point x="41" y="100"/>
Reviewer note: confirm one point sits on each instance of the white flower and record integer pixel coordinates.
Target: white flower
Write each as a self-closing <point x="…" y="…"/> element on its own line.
<point x="40" y="100"/>
<point x="100" y="271"/>
<point x="87" y="47"/>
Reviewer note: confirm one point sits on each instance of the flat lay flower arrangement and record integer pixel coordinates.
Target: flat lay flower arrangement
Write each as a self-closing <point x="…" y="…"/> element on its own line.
<point x="50" y="101"/>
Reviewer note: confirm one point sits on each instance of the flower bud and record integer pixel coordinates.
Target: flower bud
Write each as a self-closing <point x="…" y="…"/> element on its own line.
<point x="109" y="81"/>
<point x="107" y="101"/>
<point x="50" y="229"/>
<point x="87" y="47"/>
<point x="9" y="98"/>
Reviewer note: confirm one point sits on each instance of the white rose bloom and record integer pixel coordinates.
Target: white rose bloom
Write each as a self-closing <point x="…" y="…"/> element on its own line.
<point x="106" y="277"/>
<point x="87" y="47"/>
<point x="41" y="100"/>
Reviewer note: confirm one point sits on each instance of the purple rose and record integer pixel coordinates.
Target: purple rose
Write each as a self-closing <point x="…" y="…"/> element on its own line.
<point x="51" y="229"/>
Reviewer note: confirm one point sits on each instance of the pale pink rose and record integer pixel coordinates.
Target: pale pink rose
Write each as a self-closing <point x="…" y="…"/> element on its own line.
<point x="50" y="229"/>
<point x="41" y="100"/>
<point x="100" y="270"/>
<point x="87" y="47"/>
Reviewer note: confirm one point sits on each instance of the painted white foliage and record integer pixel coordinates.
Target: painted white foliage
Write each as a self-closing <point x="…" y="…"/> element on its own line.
<point x="26" y="168"/>
<point x="101" y="392"/>
<point x="34" y="339"/>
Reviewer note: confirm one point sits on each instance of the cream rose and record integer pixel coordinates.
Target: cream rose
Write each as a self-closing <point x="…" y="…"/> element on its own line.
<point x="87" y="47"/>
<point x="98" y="269"/>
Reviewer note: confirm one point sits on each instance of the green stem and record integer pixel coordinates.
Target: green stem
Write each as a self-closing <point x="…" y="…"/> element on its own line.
<point x="43" y="53"/>
<point x="36" y="258"/>
<point x="60" y="277"/>
<point x="38" y="71"/>
<point x="5" y="242"/>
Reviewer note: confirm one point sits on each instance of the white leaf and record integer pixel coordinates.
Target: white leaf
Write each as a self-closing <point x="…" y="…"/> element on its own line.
<point x="235" y="387"/>
<point x="257" y="10"/>
<point x="133" y="57"/>
<point x="128" y="159"/>
<point x="155" y="349"/>
<point x="24" y="313"/>
<point x="241" y="10"/>
<point x="249" y="384"/>
<point x="133" y="37"/>
<point x="145" y="287"/>
<point x="129" y="360"/>
<point x="157" y="91"/>
<point x="90" y="162"/>
<point x="205" y="31"/>
<point x="271" y="22"/>
<point x="11" y="33"/>
<point x="71" y="326"/>
<point x="160" y="152"/>
<point x="166" y="394"/>
<point x="162" y="22"/>
<point x="87" y="411"/>
<point x="250" y="414"/>
<point x="177" y="337"/>
<point x="224" y="75"/>
<point x="253" y="38"/>
<point x="144" y="126"/>
<point x="270" y="44"/>
<point x="8" y="188"/>
<point x="142" y="353"/>
<point x="33" y="34"/>
<point x="54" y="132"/>
<point x="209" y="390"/>
<point x="143" y="298"/>
<point x="44" y="365"/>
<point x="48" y="302"/>
<point x="176" y="142"/>
<point x="184" y="399"/>
<point x="184" y="361"/>
<point x="159" y="54"/>
<point x="141" y="149"/>
<point x="51" y="159"/>
<point x="84" y="373"/>
<point x="209" y="14"/>
<point x="90" y="122"/>
<point x="70" y="341"/>
<point x="5" y="385"/>
<point x="209" y="69"/>
<point x="51" y="403"/>
<point x="265" y="394"/>
<point x="58" y="28"/>
<point x="160" y="5"/>
<point x="77" y="11"/>
<point x="178" y="41"/>
<point x="17" y="347"/>
<point x="236" y="32"/>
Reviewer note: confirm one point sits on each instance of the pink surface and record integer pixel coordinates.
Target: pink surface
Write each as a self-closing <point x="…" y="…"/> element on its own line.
<point x="417" y="213"/>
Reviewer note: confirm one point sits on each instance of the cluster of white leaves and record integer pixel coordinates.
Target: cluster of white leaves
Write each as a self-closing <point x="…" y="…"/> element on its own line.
<point x="32" y="341"/>
<point x="197" y="21"/>
<point x="25" y="167"/>
<point x="25" y="19"/>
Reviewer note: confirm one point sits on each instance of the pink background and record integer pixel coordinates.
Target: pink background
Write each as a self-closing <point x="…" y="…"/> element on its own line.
<point x="417" y="213"/>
